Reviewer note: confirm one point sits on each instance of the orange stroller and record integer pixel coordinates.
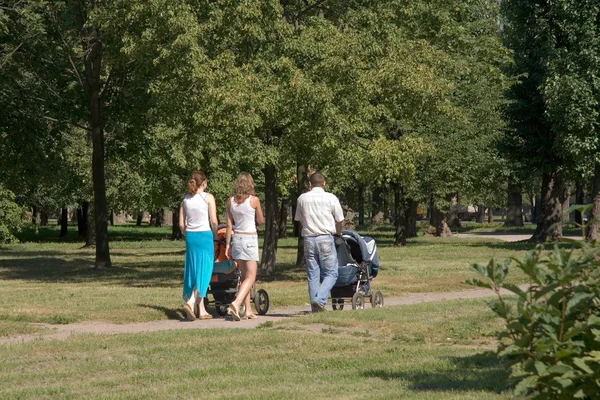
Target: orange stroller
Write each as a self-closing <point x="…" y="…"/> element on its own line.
<point x="226" y="279"/>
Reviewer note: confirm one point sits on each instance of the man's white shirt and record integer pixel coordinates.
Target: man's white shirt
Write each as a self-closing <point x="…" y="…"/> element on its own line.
<point x="318" y="211"/>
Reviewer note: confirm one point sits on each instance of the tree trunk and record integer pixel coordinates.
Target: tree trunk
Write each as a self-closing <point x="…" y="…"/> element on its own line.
<point x="283" y="217"/>
<point x="452" y="218"/>
<point x="514" y="211"/>
<point x="361" y="205"/>
<point x="579" y="200"/>
<point x="175" y="231"/>
<point x="140" y="217"/>
<point x="90" y="234"/>
<point x="269" y="252"/>
<point x="534" y="207"/>
<point x="34" y="215"/>
<point x="480" y="214"/>
<point x="565" y="200"/>
<point x="594" y="224"/>
<point x="82" y="219"/>
<point x="92" y="60"/>
<point x="410" y="210"/>
<point x="64" y="221"/>
<point x="303" y="187"/>
<point x="43" y="217"/>
<point x="549" y="221"/>
<point x="490" y="218"/>
<point x="438" y="221"/>
<point x="399" y="215"/>
<point x="157" y="218"/>
<point x="111" y="218"/>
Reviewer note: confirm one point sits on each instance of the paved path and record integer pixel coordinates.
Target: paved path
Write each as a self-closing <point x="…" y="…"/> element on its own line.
<point x="507" y="237"/>
<point x="61" y="332"/>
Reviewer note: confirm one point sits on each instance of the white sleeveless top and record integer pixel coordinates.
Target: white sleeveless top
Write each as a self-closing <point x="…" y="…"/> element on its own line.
<point x="244" y="216"/>
<point x="196" y="213"/>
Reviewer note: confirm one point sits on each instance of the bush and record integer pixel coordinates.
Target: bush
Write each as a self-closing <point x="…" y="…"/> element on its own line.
<point x="551" y="341"/>
<point x="10" y="216"/>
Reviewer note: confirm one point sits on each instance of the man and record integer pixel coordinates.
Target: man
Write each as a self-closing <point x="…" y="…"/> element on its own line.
<point x="321" y="216"/>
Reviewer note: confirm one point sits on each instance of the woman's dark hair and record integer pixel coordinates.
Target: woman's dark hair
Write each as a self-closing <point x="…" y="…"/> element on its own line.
<point x="195" y="181"/>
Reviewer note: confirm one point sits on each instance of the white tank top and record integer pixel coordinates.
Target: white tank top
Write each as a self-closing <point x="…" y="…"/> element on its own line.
<point x="196" y="213"/>
<point x="244" y="216"/>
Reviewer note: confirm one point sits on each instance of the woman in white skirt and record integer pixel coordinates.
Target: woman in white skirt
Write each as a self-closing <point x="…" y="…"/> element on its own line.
<point x="243" y="215"/>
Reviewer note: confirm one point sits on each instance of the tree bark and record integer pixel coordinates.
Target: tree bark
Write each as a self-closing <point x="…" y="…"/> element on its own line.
<point x="157" y="218"/>
<point x="438" y="221"/>
<point x="64" y="221"/>
<point x="269" y="252"/>
<point x="514" y="206"/>
<point x="43" y="217"/>
<point x="111" y="218"/>
<point x="82" y="219"/>
<point x="480" y="214"/>
<point x="399" y="215"/>
<point x="594" y="224"/>
<point x="490" y="218"/>
<point x="90" y="234"/>
<point x="549" y="221"/>
<point x="565" y="200"/>
<point x="361" y="205"/>
<point x="140" y="217"/>
<point x="410" y="208"/>
<point x="534" y="207"/>
<point x="283" y="217"/>
<point x="303" y="187"/>
<point x="452" y="218"/>
<point x="175" y="231"/>
<point x="92" y="60"/>
<point x="579" y="200"/>
<point x="34" y="215"/>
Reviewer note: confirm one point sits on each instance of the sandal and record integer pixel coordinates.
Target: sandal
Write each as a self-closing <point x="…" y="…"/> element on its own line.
<point x="189" y="313"/>
<point x="235" y="314"/>
<point x="205" y="316"/>
<point x="251" y="316"/>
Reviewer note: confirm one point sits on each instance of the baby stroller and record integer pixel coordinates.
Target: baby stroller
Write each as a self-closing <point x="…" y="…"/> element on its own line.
<point x="226" y="279"/>
<point x="358" y="265"/>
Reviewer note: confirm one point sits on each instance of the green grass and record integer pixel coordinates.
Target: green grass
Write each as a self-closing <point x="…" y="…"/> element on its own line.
<point x="53" y="282"/>
<point x="387" y="353"/>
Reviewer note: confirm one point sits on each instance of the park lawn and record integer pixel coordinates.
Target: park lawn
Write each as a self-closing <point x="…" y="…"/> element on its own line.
<point x="390" y="353"/>
<point x="53" y="282"/>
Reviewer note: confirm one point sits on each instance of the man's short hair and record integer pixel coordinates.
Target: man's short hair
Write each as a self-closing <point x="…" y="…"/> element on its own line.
<point x="317" y="179"/>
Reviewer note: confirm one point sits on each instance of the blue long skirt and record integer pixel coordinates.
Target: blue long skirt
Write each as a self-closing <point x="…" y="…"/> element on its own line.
<point x="199" y="259"/>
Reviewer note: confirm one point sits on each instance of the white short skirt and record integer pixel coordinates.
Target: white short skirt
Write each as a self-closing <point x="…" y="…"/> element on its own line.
<point x="244" y="247"/>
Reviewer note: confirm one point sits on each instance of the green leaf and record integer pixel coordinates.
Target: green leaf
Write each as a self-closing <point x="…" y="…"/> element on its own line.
<point x="525" y="385"/>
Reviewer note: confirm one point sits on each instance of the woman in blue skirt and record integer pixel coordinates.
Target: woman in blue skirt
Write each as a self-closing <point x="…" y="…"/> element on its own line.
<point x="198" y="222"/>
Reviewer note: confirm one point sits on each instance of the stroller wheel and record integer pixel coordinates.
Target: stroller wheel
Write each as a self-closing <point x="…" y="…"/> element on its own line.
<point x="221" y="310"/>
<point x="358" y="301"/>
<point x="261" y="301"/>
<point x="377" y="299"/>
<point x="337" y="304"/>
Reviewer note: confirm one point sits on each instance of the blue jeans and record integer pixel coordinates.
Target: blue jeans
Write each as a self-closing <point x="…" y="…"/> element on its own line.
<point x="321" y="267"/>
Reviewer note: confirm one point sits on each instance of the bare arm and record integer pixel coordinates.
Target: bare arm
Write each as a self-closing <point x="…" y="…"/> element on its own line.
<point x="338" y="228"/>
<point x="212" y="214"/>
<point x="255" y="203"/>
<point x="182" y="219"/>
<point x="229" y="231"/>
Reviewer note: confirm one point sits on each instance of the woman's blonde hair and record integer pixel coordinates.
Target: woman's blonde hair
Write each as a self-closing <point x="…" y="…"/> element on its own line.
<point x="243" y="187"/>
<point x="195" y="181"/>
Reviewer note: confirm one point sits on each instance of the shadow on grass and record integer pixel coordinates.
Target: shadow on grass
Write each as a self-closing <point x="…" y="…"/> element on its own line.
<point x="52" y="268"/>
<point x="170" y="313"/>
<point x="285" y="272"/>
<point x="482" y="372"/>
<point x="127" y="232"/>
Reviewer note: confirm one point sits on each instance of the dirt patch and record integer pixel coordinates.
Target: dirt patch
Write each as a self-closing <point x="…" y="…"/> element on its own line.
<point x="62" y="332"/>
